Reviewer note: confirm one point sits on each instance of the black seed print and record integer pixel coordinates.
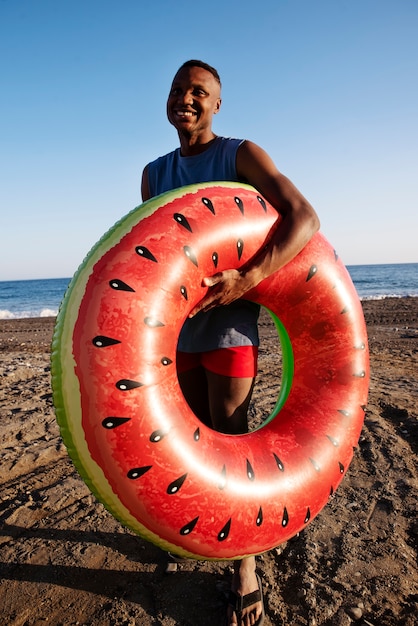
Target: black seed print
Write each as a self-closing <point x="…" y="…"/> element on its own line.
<point x="335" y="255"/>
<point x="342" y="469"/>
<point x="215" y="259"/>
<point x="152" y="322"/>
<point x="285" y="519"/>
<point x="127" y="385"/>
<point x="279" y="463"/>
<point x="308" y="515"/>
<point x="315" y="464"/>
<point x="183" y="291"/>
<point x="344" y="412"/>
<point x="250" y="471"/>
<point x="344" y="310"/>
<point x="187" y="529"/>
<point x="190" y="255"/>
<point x="240" y="248"/>
<point x="360" y="346"/>
<point x="312" y="271"/>
<point x="334" y="442"/>
<point x="137" y="472"/>
<point x="157" y="435"/>
<point x="176" y="485"/>
<point x="196" y="434"/>
<point x="225" y="531"/>
<point x="261" y="201"/>
<point x="208" y="204"/>
<point x="113" y="422"/>
<point x="331" y="491"/>
<point x="239" y="204"/>
<point x="166" y="361"/>
<point x="103" y="342"/>
<point x="145" y="253"/>
<point x="182" y="220"/>
<point x="361" y="374"/>
<point x="259" y="519"/>
<point x="119" y="285"/>
<point x="222" y="480"/>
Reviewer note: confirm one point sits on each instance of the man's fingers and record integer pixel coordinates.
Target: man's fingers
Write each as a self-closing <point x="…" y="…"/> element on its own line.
<point x="208" y="304"/>
<point x="211" y="281"/>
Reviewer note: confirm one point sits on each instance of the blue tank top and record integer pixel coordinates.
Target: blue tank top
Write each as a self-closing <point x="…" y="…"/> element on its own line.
<point x="226" y="326"/>
<point x="216" y="163"/>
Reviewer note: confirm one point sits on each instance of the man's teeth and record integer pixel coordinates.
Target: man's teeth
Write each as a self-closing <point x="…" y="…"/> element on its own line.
<point x="185" y="113"/>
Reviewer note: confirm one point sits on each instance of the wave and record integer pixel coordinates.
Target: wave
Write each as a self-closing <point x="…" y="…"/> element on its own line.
<point x="386" y="296"/>
<point x="16" y="315"/>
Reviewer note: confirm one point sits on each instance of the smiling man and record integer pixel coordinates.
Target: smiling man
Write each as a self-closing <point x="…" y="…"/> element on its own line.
<point x="217" y="348"/>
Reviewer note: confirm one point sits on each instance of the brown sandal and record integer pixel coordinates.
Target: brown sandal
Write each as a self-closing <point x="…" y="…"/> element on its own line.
<point x="239" y="603"/>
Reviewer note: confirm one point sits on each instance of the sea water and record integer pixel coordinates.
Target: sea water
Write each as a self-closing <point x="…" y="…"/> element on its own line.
<point x="31" y="298"/>
<point x="41" y="298"/>
<point x="374" y="282"/>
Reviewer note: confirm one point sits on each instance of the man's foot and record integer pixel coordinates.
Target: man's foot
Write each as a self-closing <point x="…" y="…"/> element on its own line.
<point x="245" y="606"/>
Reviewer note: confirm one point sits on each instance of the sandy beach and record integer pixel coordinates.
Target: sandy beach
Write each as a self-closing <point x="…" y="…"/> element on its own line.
<point x="65" y="560"/>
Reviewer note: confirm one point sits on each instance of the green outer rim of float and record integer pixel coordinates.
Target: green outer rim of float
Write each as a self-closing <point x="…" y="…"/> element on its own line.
<point x="288" y="367"/>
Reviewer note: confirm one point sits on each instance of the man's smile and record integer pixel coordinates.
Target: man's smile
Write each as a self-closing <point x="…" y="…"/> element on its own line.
<point x="184" y="113"/>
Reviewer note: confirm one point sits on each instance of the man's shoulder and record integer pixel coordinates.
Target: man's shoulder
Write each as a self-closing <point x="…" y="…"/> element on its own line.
<point x="165" y="157"/>
<point x="228" y="144"/>
<point x="233" y="140"/>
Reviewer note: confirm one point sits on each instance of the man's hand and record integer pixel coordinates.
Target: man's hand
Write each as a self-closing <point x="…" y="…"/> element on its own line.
<point x="224" y="288"/>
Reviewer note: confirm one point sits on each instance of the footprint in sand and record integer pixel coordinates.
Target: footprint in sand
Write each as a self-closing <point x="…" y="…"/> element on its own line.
<point x="380" y="518"/>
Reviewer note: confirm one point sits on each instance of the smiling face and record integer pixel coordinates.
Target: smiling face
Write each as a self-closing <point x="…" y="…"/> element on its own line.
<point x="195" y="96"/>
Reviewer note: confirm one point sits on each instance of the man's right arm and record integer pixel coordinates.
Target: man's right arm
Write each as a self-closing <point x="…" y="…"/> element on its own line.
<point x="145" y="192"/>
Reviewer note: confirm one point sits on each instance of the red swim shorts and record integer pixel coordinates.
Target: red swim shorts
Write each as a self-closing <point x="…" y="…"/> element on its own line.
<point x="236" y="362"/>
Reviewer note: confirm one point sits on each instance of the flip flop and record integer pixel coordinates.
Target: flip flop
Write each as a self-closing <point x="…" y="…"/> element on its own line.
<point x="239" y="603"/>
<point x="173" y="563"/>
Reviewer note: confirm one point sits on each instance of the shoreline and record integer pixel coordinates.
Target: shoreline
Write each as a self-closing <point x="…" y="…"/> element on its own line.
<point x="66" y="560"/>
<point x="364" y="300"/>
<point x="373" y="308"/>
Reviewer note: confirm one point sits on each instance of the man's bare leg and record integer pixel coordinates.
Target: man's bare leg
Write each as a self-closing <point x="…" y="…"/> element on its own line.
<point x="227" y="399"/>
<point x="194" y="386"/>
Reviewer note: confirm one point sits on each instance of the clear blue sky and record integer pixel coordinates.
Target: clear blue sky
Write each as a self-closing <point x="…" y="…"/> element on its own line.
<point x="328" y="87"/>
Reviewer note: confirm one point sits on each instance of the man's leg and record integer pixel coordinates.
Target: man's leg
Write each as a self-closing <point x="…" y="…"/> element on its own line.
<point x="194" y="386"/>
<point x="228" y="401"/>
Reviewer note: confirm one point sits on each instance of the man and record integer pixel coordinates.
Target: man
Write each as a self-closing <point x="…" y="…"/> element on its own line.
<point x="217" y="355"/>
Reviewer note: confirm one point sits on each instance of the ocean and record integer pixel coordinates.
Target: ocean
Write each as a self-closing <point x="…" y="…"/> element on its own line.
<point x="41" y="298"/>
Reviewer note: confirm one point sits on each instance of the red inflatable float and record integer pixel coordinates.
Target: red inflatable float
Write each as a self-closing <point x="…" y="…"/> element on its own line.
<point x="122" y="415"/>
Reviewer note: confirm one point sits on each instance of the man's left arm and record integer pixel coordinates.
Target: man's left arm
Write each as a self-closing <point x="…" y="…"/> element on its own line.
<point x="298" y="224"/>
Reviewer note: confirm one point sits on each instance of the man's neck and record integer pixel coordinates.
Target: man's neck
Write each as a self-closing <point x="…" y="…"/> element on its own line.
<point x="190" y="146"/>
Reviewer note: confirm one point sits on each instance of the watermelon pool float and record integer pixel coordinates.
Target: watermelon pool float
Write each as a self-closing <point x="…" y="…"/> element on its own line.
<point x="124" y="420"/>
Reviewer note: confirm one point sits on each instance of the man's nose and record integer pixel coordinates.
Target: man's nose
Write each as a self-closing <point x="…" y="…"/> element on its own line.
<point x="186" y="97"/>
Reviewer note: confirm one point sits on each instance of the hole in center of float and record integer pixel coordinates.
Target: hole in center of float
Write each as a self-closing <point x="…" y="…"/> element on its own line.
<point x="271" y="387"/>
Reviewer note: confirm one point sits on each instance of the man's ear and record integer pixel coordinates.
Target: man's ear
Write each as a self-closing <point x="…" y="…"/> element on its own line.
<point x="218" y="105"/>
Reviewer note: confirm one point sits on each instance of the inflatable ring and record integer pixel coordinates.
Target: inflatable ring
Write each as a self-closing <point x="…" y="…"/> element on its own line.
<point x="122" y="415"/>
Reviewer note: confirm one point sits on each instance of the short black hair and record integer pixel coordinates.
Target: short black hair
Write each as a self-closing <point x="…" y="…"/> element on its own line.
<point x="204" y="66"/>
